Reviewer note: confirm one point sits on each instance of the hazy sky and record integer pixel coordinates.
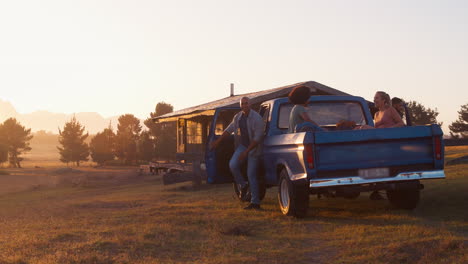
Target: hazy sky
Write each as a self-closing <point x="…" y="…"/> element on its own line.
<point x="116" y="57"/>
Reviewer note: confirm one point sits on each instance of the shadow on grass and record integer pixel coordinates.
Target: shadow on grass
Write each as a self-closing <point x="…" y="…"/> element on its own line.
<point x="14" y="262"/>
<point x="237" y="231"/>
<point x="436" y="208"/>
<point x="67" y="237"/>
<point x="109" y="205"/>
<point x="190" y="188"/>
<point x="340" y="211"/>
<point x="88" y="260"/>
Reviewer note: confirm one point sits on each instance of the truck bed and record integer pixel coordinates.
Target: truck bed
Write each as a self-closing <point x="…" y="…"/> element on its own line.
<point x="340" y="153"/>
<point x="359" y="156"/>
<point x="350" y="153"/>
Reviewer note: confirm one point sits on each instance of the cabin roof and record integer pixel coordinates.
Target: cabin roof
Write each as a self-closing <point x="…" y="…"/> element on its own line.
<point x="255" y="99"/>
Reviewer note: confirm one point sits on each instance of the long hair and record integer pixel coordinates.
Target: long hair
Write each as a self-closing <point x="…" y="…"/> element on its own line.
<point x="385" y="96"/>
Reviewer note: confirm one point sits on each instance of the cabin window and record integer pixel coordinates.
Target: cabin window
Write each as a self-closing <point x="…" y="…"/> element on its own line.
<point x="194" y="132"/>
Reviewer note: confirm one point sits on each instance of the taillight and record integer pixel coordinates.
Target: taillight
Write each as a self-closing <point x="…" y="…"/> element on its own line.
<point x="309" y="155"/>
<point x="438" y="148"/>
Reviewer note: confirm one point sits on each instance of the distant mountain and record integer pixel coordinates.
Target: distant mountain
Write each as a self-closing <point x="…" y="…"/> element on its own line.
<point x="6" y="110"/>
<point x="51" y="122"/>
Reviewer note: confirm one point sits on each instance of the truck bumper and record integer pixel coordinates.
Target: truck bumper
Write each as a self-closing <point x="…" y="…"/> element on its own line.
<point x="356" y="180"/>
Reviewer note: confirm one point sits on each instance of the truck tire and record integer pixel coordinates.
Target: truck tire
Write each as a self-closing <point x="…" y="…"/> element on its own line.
<point x="293" y="197"/>
<point x="404" y="199"/>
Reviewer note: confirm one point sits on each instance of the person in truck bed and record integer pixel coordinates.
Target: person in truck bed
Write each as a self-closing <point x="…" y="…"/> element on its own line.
<point x="299" y="96"/>
<point x="397" y="103"/>
<point x="387" y="116"/>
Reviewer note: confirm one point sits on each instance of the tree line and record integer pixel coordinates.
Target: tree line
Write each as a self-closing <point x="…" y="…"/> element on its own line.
<point x="131" y="144"/>
<point x="421" y="115"/>
<point x="128" y="145"/>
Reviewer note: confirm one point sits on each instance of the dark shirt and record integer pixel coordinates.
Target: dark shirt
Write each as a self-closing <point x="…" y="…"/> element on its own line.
<point x="244" y="133"/>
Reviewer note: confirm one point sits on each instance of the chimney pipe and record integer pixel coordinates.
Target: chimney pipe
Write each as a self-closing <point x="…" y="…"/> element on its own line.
<point x="232" y="89"/>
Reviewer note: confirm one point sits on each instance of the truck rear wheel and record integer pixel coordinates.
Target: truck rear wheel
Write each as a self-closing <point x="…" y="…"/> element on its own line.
<point x="293" y="197"/>
<point x="404" y="199"/>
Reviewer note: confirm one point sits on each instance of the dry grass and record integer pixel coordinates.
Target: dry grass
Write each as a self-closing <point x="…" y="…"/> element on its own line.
<point x="110" y="215"/>
<point x="45" y="155"/>
<point x="455" y="152"/>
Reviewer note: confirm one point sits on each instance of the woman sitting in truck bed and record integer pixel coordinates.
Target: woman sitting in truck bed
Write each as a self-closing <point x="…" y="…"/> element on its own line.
<point x="299" y="96"/>
<point x="387" y="116"/>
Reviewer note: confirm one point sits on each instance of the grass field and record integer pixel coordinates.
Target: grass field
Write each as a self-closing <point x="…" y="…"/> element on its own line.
<point x="112" y="215"/>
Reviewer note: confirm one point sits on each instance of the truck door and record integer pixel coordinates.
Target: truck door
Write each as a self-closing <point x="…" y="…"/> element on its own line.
<point x="217" y="160"/>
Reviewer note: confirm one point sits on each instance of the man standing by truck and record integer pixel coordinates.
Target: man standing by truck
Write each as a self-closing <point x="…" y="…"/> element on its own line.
<point x="247" y="126"/>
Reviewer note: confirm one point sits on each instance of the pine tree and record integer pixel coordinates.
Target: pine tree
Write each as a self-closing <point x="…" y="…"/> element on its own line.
<point x="460" y="127"/>
<point x="164" y="134"/>
<point x="102" y="146"/>
<point x="128" y="132"/>
<point x="72" y="139"/>
<point x="15" y="138"/>
<point x="421" y="115"/>
<point x="3" y="153"/>
<point x="3" y="146"/>
<point x="146" y="146"/>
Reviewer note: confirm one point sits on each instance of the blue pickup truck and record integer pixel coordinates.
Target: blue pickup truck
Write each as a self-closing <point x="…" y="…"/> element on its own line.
<point x="330" y="161"/>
